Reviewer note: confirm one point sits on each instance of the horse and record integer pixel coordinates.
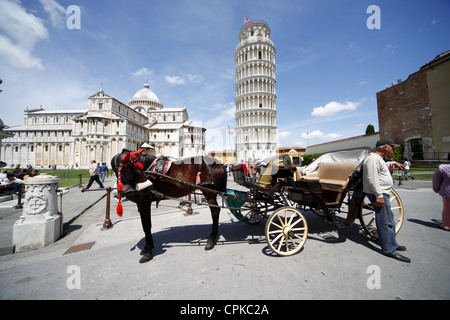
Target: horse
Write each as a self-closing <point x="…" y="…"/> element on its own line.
<point x="142" y="187"/>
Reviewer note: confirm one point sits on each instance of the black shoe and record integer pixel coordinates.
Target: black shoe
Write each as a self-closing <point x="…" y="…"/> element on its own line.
<point x="401" y="248"/>
<point x="399" y="257"/>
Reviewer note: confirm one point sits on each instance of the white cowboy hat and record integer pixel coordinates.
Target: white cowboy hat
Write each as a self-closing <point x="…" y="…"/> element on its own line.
<point x="146" y="145"/>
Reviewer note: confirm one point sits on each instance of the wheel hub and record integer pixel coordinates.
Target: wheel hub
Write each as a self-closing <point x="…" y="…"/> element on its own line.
<point x="287" y="232"/>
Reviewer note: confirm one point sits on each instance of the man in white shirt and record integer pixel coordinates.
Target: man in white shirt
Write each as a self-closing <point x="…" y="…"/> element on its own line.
<point x="377" y="185"/>
<point x="94" y="172"/>
<point x="11" y="180"/>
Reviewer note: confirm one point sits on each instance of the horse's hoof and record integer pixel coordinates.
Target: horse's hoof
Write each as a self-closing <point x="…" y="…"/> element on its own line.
<point x="146" y="252"/>
<point x="209" y="246"/>
<point x="146" y="258"/>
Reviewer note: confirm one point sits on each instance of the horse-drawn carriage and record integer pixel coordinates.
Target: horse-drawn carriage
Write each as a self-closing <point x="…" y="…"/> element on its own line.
<point x="329" y="185"/>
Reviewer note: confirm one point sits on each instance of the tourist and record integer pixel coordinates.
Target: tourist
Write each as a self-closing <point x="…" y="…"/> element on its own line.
<point x="377" y="185"/>
<point x="94" y="172"/>
<point x="252" y="173"/>
<point x="30" y="174"/>
<point x="407" y="166"/>
<point x="441" y="185"/>
<point x="3" y="175"/>
<point x="103" y="171"/>
<point x="11" y="180"/>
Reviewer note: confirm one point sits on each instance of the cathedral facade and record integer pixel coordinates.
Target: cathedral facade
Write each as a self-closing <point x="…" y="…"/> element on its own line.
<point x="72" y="138"/>
<point x="256" y="111"/>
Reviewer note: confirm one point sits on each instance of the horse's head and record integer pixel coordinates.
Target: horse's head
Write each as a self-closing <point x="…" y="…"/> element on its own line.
<point x="134" y="168"/>
<point x="129" y="168"/>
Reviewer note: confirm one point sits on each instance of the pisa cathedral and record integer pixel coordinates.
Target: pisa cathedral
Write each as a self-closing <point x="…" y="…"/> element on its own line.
<point x="72" y="138"/>
<point x="256" y="111"/>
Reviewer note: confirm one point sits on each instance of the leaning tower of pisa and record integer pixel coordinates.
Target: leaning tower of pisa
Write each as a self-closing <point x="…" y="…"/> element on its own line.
<point x="256" y="128"/>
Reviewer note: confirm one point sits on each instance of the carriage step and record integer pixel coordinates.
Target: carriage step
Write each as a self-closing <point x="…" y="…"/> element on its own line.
<point x="332" y="204"/>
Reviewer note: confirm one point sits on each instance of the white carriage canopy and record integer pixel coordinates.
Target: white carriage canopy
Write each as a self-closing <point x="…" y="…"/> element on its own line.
<point x="347" y="155"/>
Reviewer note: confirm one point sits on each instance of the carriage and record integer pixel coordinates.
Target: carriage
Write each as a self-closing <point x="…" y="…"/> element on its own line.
<point x="329" y="185"/>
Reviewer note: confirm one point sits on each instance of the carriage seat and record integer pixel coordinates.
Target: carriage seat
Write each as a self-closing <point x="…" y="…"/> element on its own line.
<point x="333" y="176"/>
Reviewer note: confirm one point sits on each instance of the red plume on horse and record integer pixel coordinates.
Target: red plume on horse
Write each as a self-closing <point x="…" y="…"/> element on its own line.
<point x="138" y="186"/>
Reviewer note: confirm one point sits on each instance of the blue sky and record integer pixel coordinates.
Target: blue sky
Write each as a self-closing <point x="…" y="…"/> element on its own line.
<point x="329" y="64"/>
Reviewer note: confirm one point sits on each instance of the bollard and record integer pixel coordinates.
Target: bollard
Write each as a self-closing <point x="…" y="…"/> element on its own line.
<point x="108" y="224"/>
<point x="399" y="174"/>
<point x="189" y="209"/>
<point x="19" y="198"/>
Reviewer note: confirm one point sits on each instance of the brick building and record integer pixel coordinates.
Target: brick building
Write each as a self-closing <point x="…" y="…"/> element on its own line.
<point x="416" y="113"/>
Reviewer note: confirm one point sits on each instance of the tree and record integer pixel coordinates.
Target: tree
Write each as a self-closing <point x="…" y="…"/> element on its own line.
<point x="370" y="129"/>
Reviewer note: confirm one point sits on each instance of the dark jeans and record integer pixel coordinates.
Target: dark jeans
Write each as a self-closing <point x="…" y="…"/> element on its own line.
<point x="91" y="180"/>
<point x="384" y="218"/>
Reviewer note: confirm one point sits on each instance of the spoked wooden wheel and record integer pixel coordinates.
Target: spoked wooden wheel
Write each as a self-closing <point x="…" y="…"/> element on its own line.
<point x="367" y="217"/>
<point x="255" y="211"/>
<point x="286" y="231"/>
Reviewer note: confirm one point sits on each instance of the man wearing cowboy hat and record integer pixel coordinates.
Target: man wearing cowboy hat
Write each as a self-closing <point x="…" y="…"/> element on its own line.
<point x="149" y="150"/>
<point x="377" y="185"/>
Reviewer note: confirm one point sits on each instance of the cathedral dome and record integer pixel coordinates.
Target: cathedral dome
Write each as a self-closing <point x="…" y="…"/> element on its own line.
<point x="144" y="100"/>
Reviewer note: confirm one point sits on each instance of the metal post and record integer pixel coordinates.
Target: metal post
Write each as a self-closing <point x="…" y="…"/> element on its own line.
<point x="189" y="209"/>
<point x="19" y="199"/>
<point x="108" y="224"/>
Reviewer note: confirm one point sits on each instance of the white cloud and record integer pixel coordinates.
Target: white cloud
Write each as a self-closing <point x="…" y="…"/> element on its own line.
<point x="20" y="26"/>
<point x="56" y="12"/>
<point x="21" y="30"/>
<point x="196" y="78"/>
<point x="334" y="107"/>
<point x="222" y="115"/>
<point x="18" y="56"/>
<point x="177" y="80"/>
<point x="284" y="135"/>
<point x="174" y="80"/>
<point x="353" y="47"/>
<point x="143" y="73"/>
<point x="390" y="48"/>
<point x="319" y="135"/>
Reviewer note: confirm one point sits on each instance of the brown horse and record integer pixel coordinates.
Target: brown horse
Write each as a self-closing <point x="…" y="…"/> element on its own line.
<point x="131" y="170"/>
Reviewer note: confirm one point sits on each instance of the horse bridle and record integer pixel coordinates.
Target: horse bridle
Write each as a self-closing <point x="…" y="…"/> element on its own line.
<point x="126" y="160"/>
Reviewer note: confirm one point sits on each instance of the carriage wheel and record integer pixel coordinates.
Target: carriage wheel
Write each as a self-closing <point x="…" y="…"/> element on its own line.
<point x="255" y="211"/>
<point x="367" y="217"/>
<point x="286" y="231"/>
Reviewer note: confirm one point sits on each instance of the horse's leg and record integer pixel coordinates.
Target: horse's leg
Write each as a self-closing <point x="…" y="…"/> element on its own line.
<point x="215" y="225"/>
<point x="144" y="206"/>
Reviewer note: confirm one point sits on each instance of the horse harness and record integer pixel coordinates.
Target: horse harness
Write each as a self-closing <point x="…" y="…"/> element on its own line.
<point x="162" y="165"/>
<point x="198" y="180"/>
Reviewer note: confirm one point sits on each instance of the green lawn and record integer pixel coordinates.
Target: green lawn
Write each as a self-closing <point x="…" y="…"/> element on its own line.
<point x="68" y="178"/>
<point x="423" y="176"/>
